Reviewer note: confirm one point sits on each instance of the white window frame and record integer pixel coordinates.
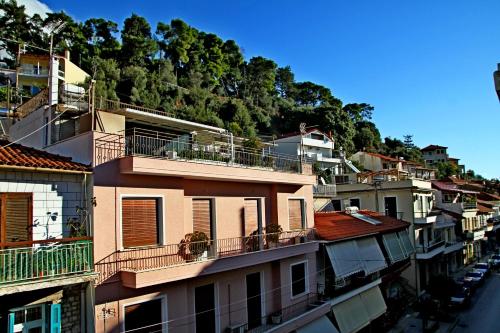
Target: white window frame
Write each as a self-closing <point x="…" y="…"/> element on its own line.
<point x="354" y="198"/>
<point x="304" y="210"/>
<point x="306" y="279"/>
<point x="161" y="215"/>
<point x="262" y="297"/>
<point x="164" y="310"/>
<point x="397" y="204"/>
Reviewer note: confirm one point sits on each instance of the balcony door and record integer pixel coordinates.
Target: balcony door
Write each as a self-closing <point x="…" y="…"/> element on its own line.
<point x="203" y="217"/>
<point x="391" y="207"/>
<point x="204" y="306"/>
<point x="16" y="217"/>
<point x="254" y="300"/>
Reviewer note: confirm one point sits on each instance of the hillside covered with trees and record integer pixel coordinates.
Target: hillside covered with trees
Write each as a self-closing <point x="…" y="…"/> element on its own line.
<point x="198" y="76"/>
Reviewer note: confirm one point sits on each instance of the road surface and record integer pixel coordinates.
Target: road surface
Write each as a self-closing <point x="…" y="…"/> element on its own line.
<point x="483" y="316"/>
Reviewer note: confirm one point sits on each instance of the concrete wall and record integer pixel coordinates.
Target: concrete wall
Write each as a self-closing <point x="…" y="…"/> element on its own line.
<point x="72" y="73"/>
<point x="30" y="124"/>
<point x="55" y="198"/>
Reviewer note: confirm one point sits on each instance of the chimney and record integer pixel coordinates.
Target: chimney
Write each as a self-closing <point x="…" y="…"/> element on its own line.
<point x="66" y="54"/>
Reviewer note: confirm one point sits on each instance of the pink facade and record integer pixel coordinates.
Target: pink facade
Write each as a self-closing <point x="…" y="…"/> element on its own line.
<point x="175" y="184"/>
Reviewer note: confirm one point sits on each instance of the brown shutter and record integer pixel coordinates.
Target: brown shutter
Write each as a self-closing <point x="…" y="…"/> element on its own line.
<point x="202" y="216"/>
<point x="295" y="214"/>
<point x="17" y="217"/>
<point x="251" y="216"/>
<point x="139" y="222"/>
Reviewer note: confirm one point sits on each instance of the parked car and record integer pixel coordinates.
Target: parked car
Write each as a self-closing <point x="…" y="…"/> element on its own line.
<point x="482" y="267"/>
<point x="476" y="278"/>
<point x="495" y="260"/>
<point x="461" y="297"/>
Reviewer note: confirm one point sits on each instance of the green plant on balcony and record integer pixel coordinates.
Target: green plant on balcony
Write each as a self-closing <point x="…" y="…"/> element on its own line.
<point x="196" y="242"/>
<point x="252" y="242"/>
<point x="273" y="233"/>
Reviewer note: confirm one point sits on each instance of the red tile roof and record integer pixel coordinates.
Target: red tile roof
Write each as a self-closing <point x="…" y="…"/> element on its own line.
<point x="433" y="147"/>
<point x="450" y="187"/>
<point x="335" y="226"/>
<point x="21" y="156"/>
<point x="483" y="209"/>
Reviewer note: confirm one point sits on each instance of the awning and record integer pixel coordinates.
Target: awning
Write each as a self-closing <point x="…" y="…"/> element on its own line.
<point x="404" y="237"/>
<point x="344" y="257"/>
<point x="359" y="310"/>
<point x="394" y="247"/>
<point x="371" y="255"/>
<point x="354" y="256"/>
<point x="322" y="324"/>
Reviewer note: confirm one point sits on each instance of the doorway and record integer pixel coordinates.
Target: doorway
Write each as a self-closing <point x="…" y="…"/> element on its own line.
<point x="391" y="207"/>
<point x="254" y="300"/>
<point x="204" y="306"/>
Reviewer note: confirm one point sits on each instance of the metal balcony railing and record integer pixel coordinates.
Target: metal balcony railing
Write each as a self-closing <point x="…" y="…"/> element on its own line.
<point x="156" y="257"/>
<point x="431" y="246"/>
<point x="327" y="189"/>
<point x="34" y="71"/>
<point x="45" y="261"/>
<point x="146" y="143"/>
<point x="469" y="205"/>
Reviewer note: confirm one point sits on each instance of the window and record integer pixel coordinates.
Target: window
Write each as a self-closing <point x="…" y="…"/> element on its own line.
<point x="336" y="205"/>
<point x="146" y="315"/>
<point x="355" y="203"/>
<point x="140" y="222"/>
<point x="204" y="306"/>
<point x="16" y="217"/>
<point x="296" y="214"/>
<point x="448" y="198"/>
<point x="299" y="278"/>
<point x="202" y="216"/>
<point x="46" y="131"/>
<point x="252" y="216"/>
<point x="316" y="136"/>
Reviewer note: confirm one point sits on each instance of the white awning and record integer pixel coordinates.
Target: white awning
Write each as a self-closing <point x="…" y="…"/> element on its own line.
<point x="371" y="255"/>
<point x="344" y="257"/>
<point x="322" y="324"/>
<point x="358" y="311"/>
<point x="394" y="247"/>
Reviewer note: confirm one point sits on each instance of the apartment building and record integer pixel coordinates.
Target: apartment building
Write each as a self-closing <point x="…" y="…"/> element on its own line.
<point x="403" y="190"/>
<point x="361" y="258"/>
<point x="46" y="261"/>
<point x="193" y="232"/>
<point x="461" y="205"/>
<point x="434" y="154"/>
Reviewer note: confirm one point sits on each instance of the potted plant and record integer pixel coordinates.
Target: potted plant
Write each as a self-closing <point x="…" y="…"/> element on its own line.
<point x="273" y="234"/>
<point x="276" y="317"/>
<point x="196" y="242"/>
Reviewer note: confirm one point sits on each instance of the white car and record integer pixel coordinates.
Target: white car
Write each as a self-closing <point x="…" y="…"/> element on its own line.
<point x="474" y="277"/>
<point x="482" y="267"/>
<point x="495" y="260"/>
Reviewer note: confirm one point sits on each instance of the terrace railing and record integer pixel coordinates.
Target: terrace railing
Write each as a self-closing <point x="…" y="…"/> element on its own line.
<point x="157" y="257"/>
<point x="140" y="142"/>
<point x="325" y="189"/>
<point x="44" y="261"/>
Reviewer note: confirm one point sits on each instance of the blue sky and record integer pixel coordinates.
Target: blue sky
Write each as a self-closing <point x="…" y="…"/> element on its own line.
<point x="426" y="66"/>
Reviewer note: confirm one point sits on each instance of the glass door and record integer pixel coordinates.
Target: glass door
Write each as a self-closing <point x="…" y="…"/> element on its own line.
<point x="28" y="319"/>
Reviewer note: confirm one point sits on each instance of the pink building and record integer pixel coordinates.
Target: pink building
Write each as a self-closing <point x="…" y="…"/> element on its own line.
<point x="193" y="231"/>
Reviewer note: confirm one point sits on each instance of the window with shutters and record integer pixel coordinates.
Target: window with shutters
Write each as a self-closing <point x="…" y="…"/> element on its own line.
<point x="252" y="216"/>
<point x="202" y="216"/>
<point x="296" y="214"/>
<point x="16" y="217"/>
<point x="140" y="222"/>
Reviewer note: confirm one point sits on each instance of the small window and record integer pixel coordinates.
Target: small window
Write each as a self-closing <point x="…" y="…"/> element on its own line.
<point x="16" y="221"/>
<point x="299" y="279"/>
<point x="336" y="205"/>
<point x="316" y="136"/>
<point x="355" y="203"/>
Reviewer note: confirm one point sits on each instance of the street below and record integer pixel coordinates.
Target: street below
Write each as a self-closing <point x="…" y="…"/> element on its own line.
<point x="483" y="315"/>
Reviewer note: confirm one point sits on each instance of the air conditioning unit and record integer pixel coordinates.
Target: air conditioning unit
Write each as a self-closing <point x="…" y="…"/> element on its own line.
<point x="172" y="155"/>
<point x="351" y="210"/>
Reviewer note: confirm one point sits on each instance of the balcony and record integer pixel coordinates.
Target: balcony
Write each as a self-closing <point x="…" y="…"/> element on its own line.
<point x="294" y="316"/>
<point x="45" y="261"/>
<point x="453" y="246"/>
<point x="327" y="190"/>
<point x="34" y="71"/>
<point x="468" y="205"/>
<point x="154" y="265"/>
<point x="200" y="156"/>
<point x="424" y="217"/>
<point x="432" y="249"/>
<point x="475" y="234"/>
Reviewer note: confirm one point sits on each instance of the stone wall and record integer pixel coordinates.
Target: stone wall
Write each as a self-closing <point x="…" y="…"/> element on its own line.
<point x="71" y="309"/>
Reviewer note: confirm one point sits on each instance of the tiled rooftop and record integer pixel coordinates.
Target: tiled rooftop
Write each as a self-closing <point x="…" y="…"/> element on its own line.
<point x="22" y="156"/>
<point x="334" y="226"/>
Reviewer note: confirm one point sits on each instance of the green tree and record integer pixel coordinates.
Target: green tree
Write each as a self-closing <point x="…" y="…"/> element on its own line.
<point x="138" y="45"/>
<point x="446" y="169"/>
<point x="107" y="74"/>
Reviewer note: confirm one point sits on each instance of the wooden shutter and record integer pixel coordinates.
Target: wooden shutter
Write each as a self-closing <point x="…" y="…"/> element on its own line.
<point x="202" y="216"/>
<point x="251" y="216"/>
<point x="295" y="214"/>
<point x="139" y="222"/>
<point x="17" y="219"/>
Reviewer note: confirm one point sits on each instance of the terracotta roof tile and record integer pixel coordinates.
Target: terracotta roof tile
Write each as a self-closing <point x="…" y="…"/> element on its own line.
<point x="334" y="226"/>
<point x="433" y="147"/>
<point x="22" y="156"/>
<point x="384" y="157"/>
